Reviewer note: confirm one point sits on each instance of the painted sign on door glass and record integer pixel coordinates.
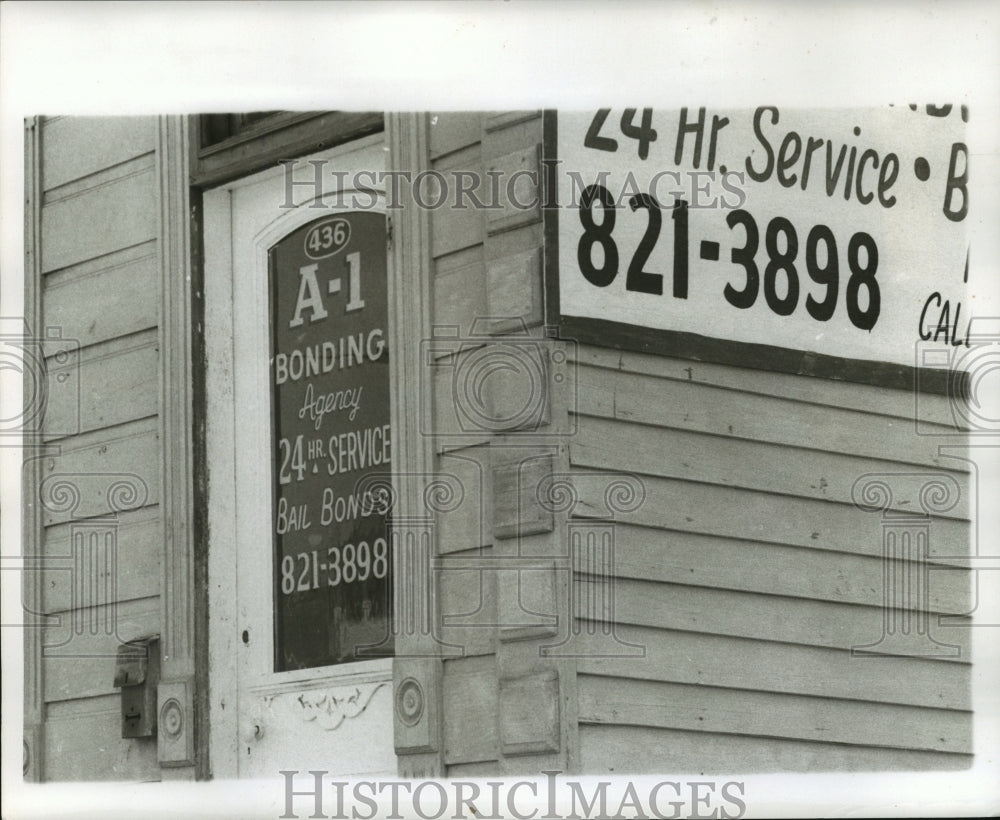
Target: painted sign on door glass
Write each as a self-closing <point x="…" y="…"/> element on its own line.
<point x="330" y="441"/>
<point x="834" y="231"/>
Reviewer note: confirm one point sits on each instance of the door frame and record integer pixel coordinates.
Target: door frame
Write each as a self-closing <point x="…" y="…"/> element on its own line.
<point x="236" y="319"/>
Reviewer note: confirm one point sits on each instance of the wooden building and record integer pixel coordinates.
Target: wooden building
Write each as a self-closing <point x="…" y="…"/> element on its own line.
<point x="594" y="545"/>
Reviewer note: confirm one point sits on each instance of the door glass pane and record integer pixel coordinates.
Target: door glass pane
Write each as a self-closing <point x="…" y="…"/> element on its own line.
<point x="330" y="441"/>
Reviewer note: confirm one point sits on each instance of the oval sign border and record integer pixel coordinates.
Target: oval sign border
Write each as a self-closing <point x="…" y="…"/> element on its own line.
<point x="316" y="227"/>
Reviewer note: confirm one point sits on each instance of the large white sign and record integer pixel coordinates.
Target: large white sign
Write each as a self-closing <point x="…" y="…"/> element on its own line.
<point x="837" y="232"/>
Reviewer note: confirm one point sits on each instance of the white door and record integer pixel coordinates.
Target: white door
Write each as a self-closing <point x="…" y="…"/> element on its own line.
<point x="297" y="420"/>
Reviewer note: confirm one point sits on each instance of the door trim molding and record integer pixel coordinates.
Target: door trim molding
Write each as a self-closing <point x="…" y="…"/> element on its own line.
<point x="234" y="674"/>
<point x="177" y="590"/>
<point x="418" y="736"/>
<point x="31" y="516"/>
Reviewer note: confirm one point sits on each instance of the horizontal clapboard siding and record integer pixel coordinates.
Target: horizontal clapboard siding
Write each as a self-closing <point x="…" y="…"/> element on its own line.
<point x="612" y="749"/>
<point x="93" y="462"/>
<point x="686" y="506"/>
<point x="123" y="283"/>
<point x="135" y="571"/>
<point x="747" y="573"/>
<point x="645" y="553"/>
<point x="826" y="393"/>
<point x="766" y="714"/>
<point x="117" y="213"/>
<point x="80" y="649"/>
<point x="100" y="289"/>
<point x="769" y="666"/>
<point x="789" y="419"/>
<point x="721" y="607"/>
<point x="78" y="147"/>
<point x="727" y="461"/>
<point x="85" y="743"/>
<point x="118" y="384"/>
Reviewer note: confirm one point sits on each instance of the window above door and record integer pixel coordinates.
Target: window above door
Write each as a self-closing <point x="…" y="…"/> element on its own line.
<point x="227" y="146"/>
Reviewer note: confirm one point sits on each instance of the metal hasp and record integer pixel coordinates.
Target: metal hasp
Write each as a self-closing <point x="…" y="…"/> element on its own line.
<point x="137" y="671"/>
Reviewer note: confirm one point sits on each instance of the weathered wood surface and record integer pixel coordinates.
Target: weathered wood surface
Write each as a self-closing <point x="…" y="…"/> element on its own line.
<point x="75" y="147"/>
<point x="471" y="693"/>
<point x="687" y="506"/>
<point x="122" y="283"/>
<point x="795" y="572"/>
<point x="94" y="463"/>
<point x="116" y="214"/>
<point x="774" y="468"/>
<point x="118" y="384"/>
<point x="795" y="418"/>
<point x="100" y="288"/>
<point x="877" y="401"/>
<point x="721" y="607"/>
<point x="82" y="664"/>
<point x="768" y="666"/>
<point x="85" y="743"/>
<point x="135" y="571"/>
<point x="764" y="714"/>
<point x="748" y="573"/>
<point x="612" y="749"/>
